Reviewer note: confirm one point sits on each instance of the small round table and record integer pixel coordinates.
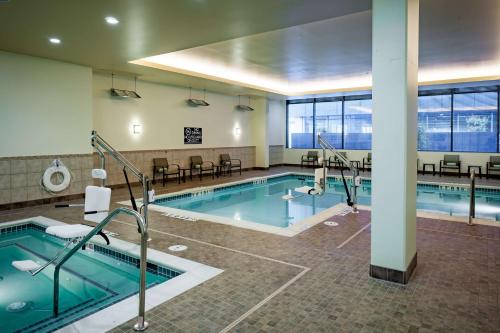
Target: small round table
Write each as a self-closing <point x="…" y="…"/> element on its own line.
<point x="478" y="167"/>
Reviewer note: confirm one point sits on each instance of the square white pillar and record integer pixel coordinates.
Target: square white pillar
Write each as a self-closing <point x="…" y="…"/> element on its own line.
<point x="394" y="174"/>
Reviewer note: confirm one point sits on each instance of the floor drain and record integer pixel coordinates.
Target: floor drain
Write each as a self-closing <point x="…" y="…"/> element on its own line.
<point x="177" y="248"/>
<point x="331" y="223"/>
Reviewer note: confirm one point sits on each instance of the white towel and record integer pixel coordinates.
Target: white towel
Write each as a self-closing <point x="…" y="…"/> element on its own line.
<point x="25" y="265"/>
<point x="69" y="230"/>
<point x="97" y="199"/>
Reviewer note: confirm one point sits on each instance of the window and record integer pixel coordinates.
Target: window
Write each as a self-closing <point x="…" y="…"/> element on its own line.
<point x="461" y="119"/>
<point x="300" y="125"/>
<point x="358" y="124"/>
<point x="434" y="123"/>
<point x="329" y="122"/>
<point x="475" y="122"/>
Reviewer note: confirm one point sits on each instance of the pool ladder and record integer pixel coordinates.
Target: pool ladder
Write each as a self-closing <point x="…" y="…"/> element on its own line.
<point x="472" y="203"/>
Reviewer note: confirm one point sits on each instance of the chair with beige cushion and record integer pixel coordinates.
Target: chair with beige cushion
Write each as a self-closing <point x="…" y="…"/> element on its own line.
<point x="227" y="163"/>
<point x="493" y="165"/>
<point x="450" y="162"/>
<point x="161" y="165"/>
<point x="197" y="164"/>
<point x="310" y="159"/>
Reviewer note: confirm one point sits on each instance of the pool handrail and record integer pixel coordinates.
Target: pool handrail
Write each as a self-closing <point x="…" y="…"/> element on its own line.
<point x="143" y="260"/>
<point x="472" y="194"/>
<point x="325" y="145"/>
<point x="101" y="146"/>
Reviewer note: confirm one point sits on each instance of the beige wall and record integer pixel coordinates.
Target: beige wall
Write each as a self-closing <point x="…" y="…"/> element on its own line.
<point x="45" y="106"/>
<point x="163" y="113"/>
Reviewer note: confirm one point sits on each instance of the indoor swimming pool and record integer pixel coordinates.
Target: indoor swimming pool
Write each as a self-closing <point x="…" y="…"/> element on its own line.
<point x="260" y="201"/>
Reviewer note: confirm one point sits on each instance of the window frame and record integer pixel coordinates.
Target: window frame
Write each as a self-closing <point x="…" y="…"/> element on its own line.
<point x="422" y="92"/>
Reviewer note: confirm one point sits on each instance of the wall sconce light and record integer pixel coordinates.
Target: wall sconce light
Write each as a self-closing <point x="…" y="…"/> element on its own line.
<point x="136" y="129"/>
<point x="237" y="131"/>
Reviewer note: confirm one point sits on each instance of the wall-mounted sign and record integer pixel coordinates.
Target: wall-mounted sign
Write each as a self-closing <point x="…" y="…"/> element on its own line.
<point x="192" y="135"/>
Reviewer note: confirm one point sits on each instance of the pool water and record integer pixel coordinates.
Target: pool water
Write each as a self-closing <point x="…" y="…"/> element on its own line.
<point x="263" y="203"/>
<point x="89" y="281"/>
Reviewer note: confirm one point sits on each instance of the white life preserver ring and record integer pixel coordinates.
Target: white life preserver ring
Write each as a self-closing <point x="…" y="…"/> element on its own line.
<point x="57" y="167"/>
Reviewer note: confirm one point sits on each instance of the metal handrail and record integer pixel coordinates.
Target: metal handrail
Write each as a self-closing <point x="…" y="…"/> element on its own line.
<point x="101" y="145"/>
<point x="98" y="141"/>
<point x="472" y="202"/>
<point x="355" y="172"/>
<point x="143" y="259"/>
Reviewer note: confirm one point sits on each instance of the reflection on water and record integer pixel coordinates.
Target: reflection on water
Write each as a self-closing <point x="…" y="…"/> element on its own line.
<point x="263" y="203"/>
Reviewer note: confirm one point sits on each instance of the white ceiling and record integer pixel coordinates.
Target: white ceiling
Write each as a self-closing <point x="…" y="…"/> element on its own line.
<point x="305" y="43"/>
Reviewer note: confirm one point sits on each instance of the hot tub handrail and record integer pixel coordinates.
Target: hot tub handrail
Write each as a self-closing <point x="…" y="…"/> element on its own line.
<point x="143" y="260"/>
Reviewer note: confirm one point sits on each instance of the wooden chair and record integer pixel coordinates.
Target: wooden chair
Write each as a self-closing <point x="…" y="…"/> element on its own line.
<point x="336" y="162"/>
<point x="450" y="162"/>
<point x="310" y="159"/>
<point x="161" y="165"/>
<point x="228" y="164"/>
<point x="367" y="162"/>
<point x="492" y="165"/>
<point x="197" y="164"/>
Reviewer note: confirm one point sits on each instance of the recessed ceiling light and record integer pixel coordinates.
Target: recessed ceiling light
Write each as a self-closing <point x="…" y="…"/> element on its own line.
<point x="111" y="20"/>
<point x="55" y="40"/>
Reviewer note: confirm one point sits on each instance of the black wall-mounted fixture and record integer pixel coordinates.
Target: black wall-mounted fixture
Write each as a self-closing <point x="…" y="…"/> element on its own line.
<point x="243" y="107"/>
<point x="122" y="92"/>
<point x="197" y="102"/>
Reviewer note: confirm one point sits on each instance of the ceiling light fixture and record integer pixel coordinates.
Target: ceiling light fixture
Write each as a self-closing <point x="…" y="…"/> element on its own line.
<point x="54" y="40"/>
<point x="111" y="20"/>
<point x="243" y="107"/>
<point x="122" y="92"/>
<point x="197" y="102"/>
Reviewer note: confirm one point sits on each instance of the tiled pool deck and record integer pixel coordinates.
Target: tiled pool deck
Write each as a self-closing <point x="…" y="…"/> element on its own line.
<point x="318" y="280"/>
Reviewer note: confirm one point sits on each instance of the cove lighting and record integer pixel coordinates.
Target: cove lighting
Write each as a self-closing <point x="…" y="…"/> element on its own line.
<point x="212" y="70"/>
<point x="55" y="40"/>
<point x="111" y="20"/>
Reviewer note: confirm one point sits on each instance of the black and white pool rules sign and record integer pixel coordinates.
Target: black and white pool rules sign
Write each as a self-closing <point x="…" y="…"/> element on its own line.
<point x="192" y="135"/>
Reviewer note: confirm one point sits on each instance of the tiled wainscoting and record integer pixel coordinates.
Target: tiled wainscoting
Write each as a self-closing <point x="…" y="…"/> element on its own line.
<point x="20" y="176"/>
<point x="276" y="154"/>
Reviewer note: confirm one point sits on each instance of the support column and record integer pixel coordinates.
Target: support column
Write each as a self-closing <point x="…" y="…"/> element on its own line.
<point x="260" y="132"/>
<point x="394" y="173"/>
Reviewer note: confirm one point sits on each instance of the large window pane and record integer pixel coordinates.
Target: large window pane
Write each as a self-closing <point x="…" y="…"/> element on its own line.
<point x="329" y="122"/>
<point x="358" y="124"/>
<point x="434" y="123"/>
<point x="475" y="122"/>
<point x="300" y="125"/>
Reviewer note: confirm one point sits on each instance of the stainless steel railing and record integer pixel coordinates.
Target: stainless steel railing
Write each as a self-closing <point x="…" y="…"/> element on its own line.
<point x="472" y="202"/>
<point x="101" y="146"/>
<point x="325" y="145"/>
<point x="143" y="259"/>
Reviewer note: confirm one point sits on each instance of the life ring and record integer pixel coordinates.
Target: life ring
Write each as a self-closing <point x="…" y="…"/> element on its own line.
<point x="56" y="167"/>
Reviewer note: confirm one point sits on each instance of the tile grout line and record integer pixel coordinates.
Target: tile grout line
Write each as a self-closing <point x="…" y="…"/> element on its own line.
<point x="353" y="236"/>
<point x="220" y="247"/>
<point x="261" y="303"/>
<point x="458" y="234"/>
<point x="264" y="301"/>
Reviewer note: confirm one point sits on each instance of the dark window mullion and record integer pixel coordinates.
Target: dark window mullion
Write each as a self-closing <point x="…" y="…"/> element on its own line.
<point x="498" y="119"/>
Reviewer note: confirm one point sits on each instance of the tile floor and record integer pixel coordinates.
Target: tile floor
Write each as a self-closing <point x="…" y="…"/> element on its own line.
<point x="315" y="281"/>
